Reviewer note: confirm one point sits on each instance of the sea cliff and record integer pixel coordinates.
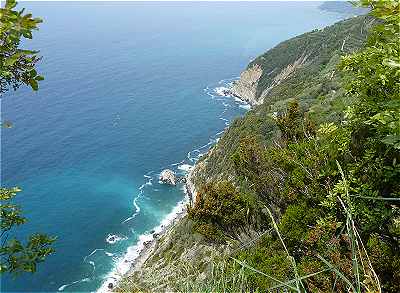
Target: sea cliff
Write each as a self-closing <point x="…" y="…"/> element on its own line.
<point x="302" y="68"/>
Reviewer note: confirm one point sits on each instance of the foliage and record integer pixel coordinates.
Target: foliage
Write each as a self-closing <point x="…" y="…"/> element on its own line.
<point x="17" y="65"/>
<point x="314" y="50"/>
<point x="317" y="86"/>
<point x="15" y="256"/>
<point x="291" y="123"/>
<point x="321" y="154"/>
<point x="330" y="181"/>
<point x="219" y="210"/>
<point x="270" y="258"/>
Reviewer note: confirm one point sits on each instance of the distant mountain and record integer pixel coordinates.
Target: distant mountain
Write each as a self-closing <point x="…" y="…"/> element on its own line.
<point x="344" y="7"/>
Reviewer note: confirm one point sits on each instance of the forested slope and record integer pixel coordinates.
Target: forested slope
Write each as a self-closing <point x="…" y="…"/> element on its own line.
<point x="319" y="157"/>
<point x="316" y="85"/>
<point x="302" y="193"/>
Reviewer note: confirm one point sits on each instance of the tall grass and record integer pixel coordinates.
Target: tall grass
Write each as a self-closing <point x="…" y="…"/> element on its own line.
<point x="223" y="279"/>
<point x="219" y="278"/>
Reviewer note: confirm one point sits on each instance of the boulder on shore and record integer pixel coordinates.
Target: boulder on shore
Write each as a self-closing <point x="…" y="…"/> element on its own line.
<point x="168" y="176"/>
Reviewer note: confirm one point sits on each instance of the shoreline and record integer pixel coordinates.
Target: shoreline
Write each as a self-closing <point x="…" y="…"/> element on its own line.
<point x="148" y="242"/>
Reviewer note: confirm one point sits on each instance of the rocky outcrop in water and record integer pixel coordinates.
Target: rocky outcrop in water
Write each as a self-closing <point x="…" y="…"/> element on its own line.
<point x="168" y="176"/>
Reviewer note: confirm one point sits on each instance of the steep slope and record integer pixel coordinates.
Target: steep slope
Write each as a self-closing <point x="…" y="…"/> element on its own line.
<point x="302" y="68"/>
<point x="298" y="59"/>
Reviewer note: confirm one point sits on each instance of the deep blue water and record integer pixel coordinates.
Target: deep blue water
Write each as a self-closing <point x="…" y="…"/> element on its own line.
<point x="128" y="92"/>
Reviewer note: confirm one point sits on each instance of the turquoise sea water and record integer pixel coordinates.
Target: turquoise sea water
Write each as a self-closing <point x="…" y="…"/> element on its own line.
<point x="129" y="90"/>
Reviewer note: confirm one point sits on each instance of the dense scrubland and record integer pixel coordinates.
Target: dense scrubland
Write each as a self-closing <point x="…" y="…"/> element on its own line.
<point x="302" y="193"/>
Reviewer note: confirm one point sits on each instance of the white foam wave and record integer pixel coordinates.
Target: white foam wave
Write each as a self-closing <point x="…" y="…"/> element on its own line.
<point x="93" y="265"/>
<point x="124" y="263"/>
<point x="178" y="163"/>
<point x="223" y="91"/>
<point x="135" y="200"/>
<point x="228" y="80"/>
<point x="93" y="252"/>
<point x="225" y="120"/>
<point x="219" y="133"/>
<point x="62" y="288"/>
<point x="185" y="167"/>
<point x="240" y="101"/>
<point x="246" y="106"/>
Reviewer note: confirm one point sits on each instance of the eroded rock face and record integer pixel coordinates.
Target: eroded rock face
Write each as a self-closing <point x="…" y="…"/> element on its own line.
<point x="246" y="87"/>
<point x="168" y="176"/>
<point x="285" y="73"/>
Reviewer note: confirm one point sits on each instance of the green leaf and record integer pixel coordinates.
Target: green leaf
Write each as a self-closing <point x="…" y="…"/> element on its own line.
<point x="11" y="60"/>
<point x="34" y="84"/>
<point x="391" y="139"/>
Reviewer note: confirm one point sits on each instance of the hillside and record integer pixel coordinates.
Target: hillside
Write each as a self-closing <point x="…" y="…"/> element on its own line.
<point x="302" y="68"/>
<point x="297" y="60"/>
<point x="301" y="194"/>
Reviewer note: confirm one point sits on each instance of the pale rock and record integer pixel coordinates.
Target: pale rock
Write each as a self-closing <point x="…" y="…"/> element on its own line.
<point x="168" y="176"/>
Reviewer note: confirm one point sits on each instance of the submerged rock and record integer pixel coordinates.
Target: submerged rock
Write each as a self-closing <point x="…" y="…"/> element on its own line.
<point x="168" y="176"/>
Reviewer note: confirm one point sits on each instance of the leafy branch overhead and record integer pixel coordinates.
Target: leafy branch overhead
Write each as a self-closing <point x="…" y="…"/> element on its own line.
<point x="17" y="65"/>
<point x="15" y="256"/>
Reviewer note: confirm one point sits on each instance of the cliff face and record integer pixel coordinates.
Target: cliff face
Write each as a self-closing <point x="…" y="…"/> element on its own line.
<point x="246" y="87"/>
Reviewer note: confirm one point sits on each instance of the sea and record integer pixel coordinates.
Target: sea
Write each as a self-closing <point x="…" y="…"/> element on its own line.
<point x="130" y="89"/>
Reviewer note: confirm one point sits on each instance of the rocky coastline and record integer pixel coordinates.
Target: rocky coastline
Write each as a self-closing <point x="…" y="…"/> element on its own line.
<point x="150" y="246"/>
<point x="245" y="88"/>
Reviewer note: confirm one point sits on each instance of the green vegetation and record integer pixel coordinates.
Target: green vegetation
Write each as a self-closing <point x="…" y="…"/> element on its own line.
<point x="17" y="67"/>
<point x="317" y="86"/>
<point x="302" y="193"/>
<point x="220" y="211"/>
<point x="321" y="158"/>
<point x="319" y="50"/>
